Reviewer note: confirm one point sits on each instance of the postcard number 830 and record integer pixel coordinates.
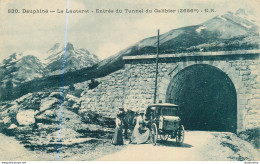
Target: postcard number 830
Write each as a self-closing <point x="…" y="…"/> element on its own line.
<point x="13" y="11"/>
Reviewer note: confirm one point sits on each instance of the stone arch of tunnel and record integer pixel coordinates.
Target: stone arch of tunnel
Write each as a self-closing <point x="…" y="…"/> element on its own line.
<point x="207" y="98"/>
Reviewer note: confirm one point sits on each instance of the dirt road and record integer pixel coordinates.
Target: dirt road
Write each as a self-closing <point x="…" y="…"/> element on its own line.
<point x="85" y="149"/>
<point x="12" y="150"/>
<point x="198" y="146"/>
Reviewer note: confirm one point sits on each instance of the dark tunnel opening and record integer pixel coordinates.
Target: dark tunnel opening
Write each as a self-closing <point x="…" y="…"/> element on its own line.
<point x="207" y="98"/>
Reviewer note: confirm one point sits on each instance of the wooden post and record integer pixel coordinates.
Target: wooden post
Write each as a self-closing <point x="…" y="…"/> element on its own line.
<point x="156" y="72"/>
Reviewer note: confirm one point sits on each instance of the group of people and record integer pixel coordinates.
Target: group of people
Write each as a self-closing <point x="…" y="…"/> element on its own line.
<point x="141" y="134"/>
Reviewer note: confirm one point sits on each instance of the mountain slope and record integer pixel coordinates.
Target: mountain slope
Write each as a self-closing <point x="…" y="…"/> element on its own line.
<point x="228" y="32"/>
<point x="231" y="31"/>
<point x="212" y="35"/>
<point x="23" y="67"/>
<point x="19" y="68"/>
<point x="75" y="59"/>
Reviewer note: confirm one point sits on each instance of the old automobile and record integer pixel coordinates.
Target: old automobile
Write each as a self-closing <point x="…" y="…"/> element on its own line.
<point x="164" y="122"/>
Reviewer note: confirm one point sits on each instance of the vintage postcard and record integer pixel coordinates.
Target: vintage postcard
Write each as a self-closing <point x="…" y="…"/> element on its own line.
<point x="140" y="80"/>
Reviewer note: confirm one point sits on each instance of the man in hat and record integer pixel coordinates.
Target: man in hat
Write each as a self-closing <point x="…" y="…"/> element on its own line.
<point x="124" y="120"/>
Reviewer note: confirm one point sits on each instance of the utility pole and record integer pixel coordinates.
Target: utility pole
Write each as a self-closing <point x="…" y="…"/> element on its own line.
<point x="156" y="72"/>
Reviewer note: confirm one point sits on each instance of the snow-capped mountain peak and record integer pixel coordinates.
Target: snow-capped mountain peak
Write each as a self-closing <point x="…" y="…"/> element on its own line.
<point x="69" y="46"/>
<point x="56" y="46"/>
<point x="21" y="67"/>
<point x="247" y="16"/>
<point x="241" y="13"/>
<point x="75" y="59"/>
<point x="12" y="58"/>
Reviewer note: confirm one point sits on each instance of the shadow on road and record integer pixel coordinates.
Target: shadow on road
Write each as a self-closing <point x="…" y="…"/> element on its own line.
<point x="173" y="144"/>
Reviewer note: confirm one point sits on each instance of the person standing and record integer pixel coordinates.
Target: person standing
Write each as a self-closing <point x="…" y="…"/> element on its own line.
<point x="141" y="133"/>
<point x="118" y="136"/>
<point x="124" y="118"/>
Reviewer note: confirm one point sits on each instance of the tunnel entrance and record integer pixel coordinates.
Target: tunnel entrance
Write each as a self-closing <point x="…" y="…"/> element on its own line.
<point x="207" y="98"/>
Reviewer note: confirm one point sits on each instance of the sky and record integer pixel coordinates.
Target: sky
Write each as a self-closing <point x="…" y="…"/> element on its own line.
<point x="103" y="34"/>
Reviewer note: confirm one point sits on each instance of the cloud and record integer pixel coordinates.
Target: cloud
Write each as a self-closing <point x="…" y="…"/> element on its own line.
<point x="28" y="22"/>
<point x="107" y="49"/>
<point x="34" y="31"/>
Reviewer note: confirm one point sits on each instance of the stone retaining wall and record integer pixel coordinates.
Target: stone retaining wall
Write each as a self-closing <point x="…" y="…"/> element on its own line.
<point x="107" y="97"/>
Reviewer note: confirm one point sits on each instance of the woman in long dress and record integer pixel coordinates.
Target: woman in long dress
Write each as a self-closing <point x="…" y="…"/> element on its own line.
<point x="141" y="134"/>
<point x="118" y="135"/>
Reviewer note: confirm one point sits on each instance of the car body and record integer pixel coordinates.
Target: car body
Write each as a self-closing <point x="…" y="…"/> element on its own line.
<point x="165" y="121"/>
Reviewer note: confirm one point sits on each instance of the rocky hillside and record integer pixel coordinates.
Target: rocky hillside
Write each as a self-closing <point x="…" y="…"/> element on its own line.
<point x="35" y="117"/>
